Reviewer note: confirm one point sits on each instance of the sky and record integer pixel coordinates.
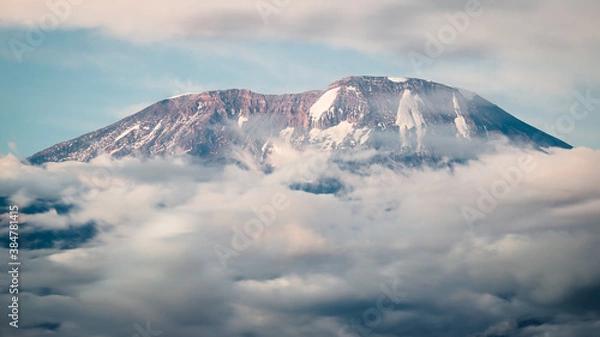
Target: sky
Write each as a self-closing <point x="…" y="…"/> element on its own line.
<point x="70" y="67"/>
<point x="299" y="242"/>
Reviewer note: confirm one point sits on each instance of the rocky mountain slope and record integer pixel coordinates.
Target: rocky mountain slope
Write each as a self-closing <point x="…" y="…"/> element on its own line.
<point x="407" y="117"/>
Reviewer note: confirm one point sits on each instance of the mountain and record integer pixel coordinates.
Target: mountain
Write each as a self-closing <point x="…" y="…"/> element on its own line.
<point x="408" y="118"/>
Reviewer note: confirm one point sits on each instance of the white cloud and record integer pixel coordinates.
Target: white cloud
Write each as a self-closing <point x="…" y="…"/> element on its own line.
<point x="531" y="32"/>
<point x="324" y="259"/>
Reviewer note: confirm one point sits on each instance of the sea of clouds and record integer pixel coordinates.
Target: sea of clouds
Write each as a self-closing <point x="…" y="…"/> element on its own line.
<point x="506" y="245"/>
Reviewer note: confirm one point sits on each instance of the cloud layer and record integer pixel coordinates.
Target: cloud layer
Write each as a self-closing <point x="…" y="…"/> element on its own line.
<point x="225" y="251"/>
<point x="554" y="32"/>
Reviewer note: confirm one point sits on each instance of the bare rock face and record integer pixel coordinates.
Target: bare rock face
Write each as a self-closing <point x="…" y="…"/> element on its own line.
<point x="407" y="117"/>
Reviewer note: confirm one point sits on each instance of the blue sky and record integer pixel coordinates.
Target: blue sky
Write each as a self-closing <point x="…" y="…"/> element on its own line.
<point x="93" y="69"/>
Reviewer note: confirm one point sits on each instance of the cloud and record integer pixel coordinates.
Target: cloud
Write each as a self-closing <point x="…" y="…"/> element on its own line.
<point x="556" y="25"/>
<point x="527" y="31"/>
<point x="320" y="262"/>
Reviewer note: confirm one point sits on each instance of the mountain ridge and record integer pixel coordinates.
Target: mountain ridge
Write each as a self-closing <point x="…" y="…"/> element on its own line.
<point x="404" y="115"/>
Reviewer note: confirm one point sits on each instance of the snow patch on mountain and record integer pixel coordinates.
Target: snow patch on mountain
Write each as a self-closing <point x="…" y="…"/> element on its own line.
<point x="126" y="132"/>
<point x="459" y="121"/>
<point x="361" y="135"/>
<point x="286" y="134"/>
<point x="241" y="121"/>
<point x="324" y="103"/>
<point x="332" y="137"/>
<point x="409" y="119"/>
<point x="152" y="134"/>
<point x="184" y="94"/>
<point x="397" y="79"/>
<point x="351" y="88"/>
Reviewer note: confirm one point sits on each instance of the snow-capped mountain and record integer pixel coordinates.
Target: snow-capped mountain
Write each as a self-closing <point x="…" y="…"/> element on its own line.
<point x="405" y="116"/>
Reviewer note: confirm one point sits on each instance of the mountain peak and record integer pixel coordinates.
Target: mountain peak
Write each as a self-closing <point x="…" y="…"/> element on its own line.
<point x="362" y="81"/>
<point x="402" y="115"/>
<point x="381" y="81"/>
